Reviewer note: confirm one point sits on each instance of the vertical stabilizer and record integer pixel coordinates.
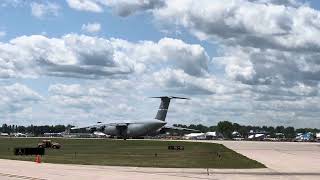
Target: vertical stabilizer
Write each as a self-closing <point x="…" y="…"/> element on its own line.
<point x="164" y="106"/>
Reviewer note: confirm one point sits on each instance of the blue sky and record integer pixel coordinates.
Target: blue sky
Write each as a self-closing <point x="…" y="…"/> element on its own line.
<point x="19" y="21"/>
<point x="79" y="62"/>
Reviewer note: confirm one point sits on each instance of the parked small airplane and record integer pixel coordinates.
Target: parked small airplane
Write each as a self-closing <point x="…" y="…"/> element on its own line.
<point x="139" y="128"/>
<point x="20" y="135"/>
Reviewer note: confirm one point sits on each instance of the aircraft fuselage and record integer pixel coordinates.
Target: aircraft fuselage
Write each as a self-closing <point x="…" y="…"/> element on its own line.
<point x="133" y="129"/>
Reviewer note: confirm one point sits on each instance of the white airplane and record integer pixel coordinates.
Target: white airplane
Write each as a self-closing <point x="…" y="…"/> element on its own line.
<point x="100" y="134"/>
<point x="139" y="128"/>
<point x="20" y="135"/>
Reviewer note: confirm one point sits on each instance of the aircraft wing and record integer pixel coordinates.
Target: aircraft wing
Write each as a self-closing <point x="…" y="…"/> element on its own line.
<point x="119" y="124"/>
<point x="91" y="128"/>
<point x="84" y="127"/>
<point x="173" y="128"/>
<point x="100" y="126"/>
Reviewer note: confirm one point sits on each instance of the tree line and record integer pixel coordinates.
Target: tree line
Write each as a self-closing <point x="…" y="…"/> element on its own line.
<point x="35" y="130"/>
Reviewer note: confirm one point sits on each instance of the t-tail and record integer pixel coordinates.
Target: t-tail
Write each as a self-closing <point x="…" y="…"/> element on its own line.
<point x="164" y="106"/>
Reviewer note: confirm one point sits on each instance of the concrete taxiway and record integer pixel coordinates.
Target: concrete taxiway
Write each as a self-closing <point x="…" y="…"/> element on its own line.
<point x="291" y="160"/>
<point x="284" y="161"/>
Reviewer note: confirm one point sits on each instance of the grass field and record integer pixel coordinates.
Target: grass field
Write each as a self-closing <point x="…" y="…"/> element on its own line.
<point x="132" y="153"/>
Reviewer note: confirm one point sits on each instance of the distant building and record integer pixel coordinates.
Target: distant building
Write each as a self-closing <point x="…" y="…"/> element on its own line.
<point x="318" y="136"/>
<point x="213" y="135"/>
<point x="280" y="135"/>
<point x="202" y="136"/>
<point x="257" y="136"/>
<point x="20" y="135"/>
<point x="236" y="134"/>
<point x="4" y="134"/>
<point x="78" y="135"/>
<point x="195" y="136"/>
<point x="52" y="134"/>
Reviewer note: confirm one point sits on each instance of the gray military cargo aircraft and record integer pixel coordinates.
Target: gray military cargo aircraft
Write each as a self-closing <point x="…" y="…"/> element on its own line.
<point x="139" y="128"/>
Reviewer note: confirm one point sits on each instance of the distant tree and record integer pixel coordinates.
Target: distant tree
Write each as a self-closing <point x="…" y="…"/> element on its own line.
<point x="236" y="127"/>
<point x="5" y="128"/>
<point x="59" y="128"/>
<point x="279" y="129"/>
<point x="289" y="132"/>
<point x="271" y="130"/>
<point x="180" y="125"/>
<point x="202" y="128"/>
<point x="192" y="126"/>
<point x="226" y="128"/>
<point x="9" y="129"/>
<point x="265" y="128"/>
<point x="305" y="130"/>
<point x="21" y="129"/>
<point x="212" y="128"/>
<point x="243" y="130"/>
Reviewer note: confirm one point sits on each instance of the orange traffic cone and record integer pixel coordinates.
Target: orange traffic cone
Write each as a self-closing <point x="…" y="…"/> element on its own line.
<point x="38" y="159"/>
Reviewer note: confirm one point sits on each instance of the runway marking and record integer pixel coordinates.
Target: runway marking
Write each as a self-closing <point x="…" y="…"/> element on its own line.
<point x="20" y="177"/>
<point x="272" y="172"/>
<point x="175" y="174"/>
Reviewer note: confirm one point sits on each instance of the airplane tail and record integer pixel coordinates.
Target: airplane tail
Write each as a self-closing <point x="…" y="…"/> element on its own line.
<point x="164" y="106"/>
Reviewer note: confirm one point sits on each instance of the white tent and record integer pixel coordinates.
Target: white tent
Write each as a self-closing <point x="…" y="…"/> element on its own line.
<point x="100" y="134"/>
<point x="195" y="136"/>
<point x="4" y="134"/>
<point x="256" y="136"/>
<point x="214" y="134"/>
<point x="207" y="135"/>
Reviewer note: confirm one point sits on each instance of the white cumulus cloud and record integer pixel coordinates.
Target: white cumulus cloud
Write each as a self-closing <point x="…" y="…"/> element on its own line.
<point x="71" y="55"/>
<point x="91" y="27"/>
<point x="85" y="5"/>
<point x="91" y="57"/>
<point x="167" y="52"/>
<point x="16" y="98"/>
<point x="41" y="10"/>
<point x="119" y="7"/>
<point x="2" y="34"/>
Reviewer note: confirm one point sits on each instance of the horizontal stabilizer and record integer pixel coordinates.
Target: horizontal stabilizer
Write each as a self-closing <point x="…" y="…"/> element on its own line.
<point x="170" y="97"/>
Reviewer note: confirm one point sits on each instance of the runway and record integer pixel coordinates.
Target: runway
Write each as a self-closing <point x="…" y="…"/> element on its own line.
<point x="287" y="160"/>
<point x="284" y="161"/>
